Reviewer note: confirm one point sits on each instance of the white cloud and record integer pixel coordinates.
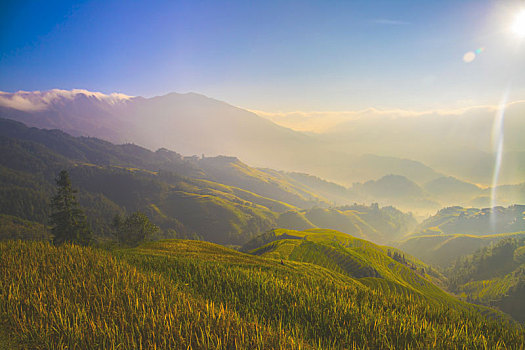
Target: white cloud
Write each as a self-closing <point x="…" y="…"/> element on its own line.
<point x="20" y="102"/>
<point x="31" y="101"/>
<point x="322" y="121"/>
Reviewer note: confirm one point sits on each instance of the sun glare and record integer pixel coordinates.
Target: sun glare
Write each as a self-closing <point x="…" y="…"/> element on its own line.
<point x="518" y="26"/>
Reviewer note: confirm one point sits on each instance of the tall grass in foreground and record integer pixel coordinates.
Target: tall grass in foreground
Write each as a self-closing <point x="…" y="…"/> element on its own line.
<point x="81" y="298"/>
<point x="196" y="295"/>
<point x="321" y="308"/>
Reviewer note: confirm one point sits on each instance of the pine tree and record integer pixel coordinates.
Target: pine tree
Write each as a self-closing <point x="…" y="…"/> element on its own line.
<point x="68" y="222"/>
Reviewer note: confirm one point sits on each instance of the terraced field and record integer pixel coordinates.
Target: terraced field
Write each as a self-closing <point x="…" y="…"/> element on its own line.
<point x="353" y="257"/>
<point x="493" y="276"/>
<point x="199" y="295"/>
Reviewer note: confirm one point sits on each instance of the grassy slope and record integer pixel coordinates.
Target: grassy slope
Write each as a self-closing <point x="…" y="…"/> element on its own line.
<point x="444" y="249"/>
<point x="294" y="219"/>
<point x="345" y="221"/>
<point x="274" y="205"/>
<point x="112" y="179"/>
<point x="218" y="219"/>
<point x="12" y="227"/>
<point x="336" y="193"/>
<point x="453" y="220"/>
<point x="189" y="294"/>
<point x="238" y="201"/>
<point x="354" y="257"/>
<point x="494" y="276"/>
<point x="368" y="222"/>
<point x="272" y="184"/>
<point x="230" y="218"/>
<point x="80" y="298"/>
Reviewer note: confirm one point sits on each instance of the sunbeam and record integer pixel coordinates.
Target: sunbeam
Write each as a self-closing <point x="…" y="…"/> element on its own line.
<point x="498" y="135"/>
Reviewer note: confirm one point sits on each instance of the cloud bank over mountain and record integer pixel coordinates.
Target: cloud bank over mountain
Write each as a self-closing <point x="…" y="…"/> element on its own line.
<point x="30" y="101"/>
<point x="327" y="121"/>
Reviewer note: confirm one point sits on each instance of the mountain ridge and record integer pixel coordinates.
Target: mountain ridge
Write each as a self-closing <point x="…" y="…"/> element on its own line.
<point x="176" y="192"/>
<point x="195" y="124"/>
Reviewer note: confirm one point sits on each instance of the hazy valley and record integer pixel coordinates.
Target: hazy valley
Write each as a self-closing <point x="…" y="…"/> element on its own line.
<point x="236" y="175"/>
<point x="278" y="214"/>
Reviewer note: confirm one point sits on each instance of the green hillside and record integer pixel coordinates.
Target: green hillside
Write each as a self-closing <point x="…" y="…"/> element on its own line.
<point x="213" y="211"/>
<point x="104" y="191"/>
<point x="218" y="199"/>
<point x="368" y="222"/>
<point x="346" y="221"/>
<point x="25" y="148"/>
<point x="197" y="295"/>
<point x="455" y="232"/>
<point x="114" y="179"/>
<point x="444" y="249"/>
<point x="272" y="184"/>
<point x="494" y="275"/>
<point x="336" y="193"/>
<point x="371" y="264"/>
<point x="294" y="219"/>
<point x="12" y="227"/>
<point x="476" y="221"/>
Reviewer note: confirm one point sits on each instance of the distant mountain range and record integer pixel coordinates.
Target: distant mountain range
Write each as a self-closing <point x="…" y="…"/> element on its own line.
<point x="195" y="124"/>
<point x="461" y="142"/>
<point x="219" y="199"/>
<point x="454" y="232"/>
<point x="364" y="155"/>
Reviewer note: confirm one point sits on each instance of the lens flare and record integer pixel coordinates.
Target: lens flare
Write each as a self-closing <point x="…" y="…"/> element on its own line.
<point x="469" y="57"/>
<point x="480" y="50"/>
<point x="497" y="144"/>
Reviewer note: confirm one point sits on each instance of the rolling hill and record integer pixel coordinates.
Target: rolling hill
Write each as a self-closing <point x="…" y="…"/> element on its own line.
<point x="231" y="171"/>
<point x="450" y="189"/>
<point x="369" y="222"/>
<point x="396" y="190"/>
<point x="476" y="221"/>
<point x="337" y="194"/>
<point x="444" y="249"/>
<point x="369" y="263"/>
<point x="494" y="276"/>
<point x="190" y="294"/>
<point x="455" y="232"/>
<point x="218" y="199"/>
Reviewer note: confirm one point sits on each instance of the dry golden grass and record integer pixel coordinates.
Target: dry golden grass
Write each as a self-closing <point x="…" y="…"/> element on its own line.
<point x="196" y="295"/>
<point x="80" y="298"/>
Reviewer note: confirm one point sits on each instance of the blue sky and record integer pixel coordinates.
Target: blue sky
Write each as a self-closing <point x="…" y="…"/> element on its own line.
<point x="268" y="55"/>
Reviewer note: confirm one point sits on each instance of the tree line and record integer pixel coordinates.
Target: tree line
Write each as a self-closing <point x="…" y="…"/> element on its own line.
<point x="69" y="223"/>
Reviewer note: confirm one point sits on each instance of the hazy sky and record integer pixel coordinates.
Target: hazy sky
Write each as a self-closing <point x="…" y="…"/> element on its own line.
<point x="269" y="55"/>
